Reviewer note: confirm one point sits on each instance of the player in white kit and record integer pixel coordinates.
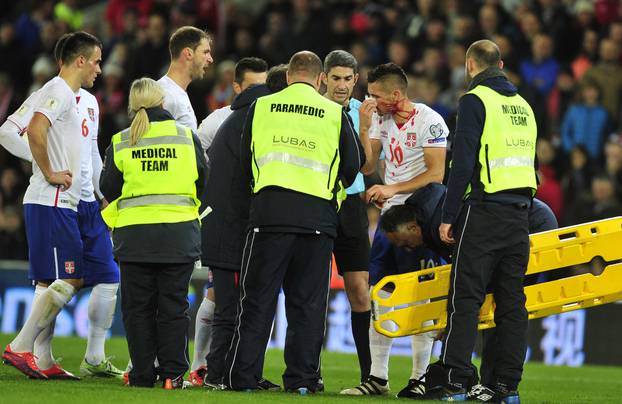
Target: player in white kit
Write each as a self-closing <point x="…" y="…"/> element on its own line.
<point x="101" y="271"/>
<point x="248" y="71"/>
<point x="190" y="50"/>
<point x="51" y="201"/>
<point x="413" y="138"/>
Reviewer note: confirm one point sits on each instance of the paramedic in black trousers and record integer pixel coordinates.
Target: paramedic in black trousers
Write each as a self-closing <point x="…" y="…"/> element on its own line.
<point x="416" y="223"/>
<point x="298" y="150"/>
<point x="493" y="172"/>
<point x="225" y="228"/>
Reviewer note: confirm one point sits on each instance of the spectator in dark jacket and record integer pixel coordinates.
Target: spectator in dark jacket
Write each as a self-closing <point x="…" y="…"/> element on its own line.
<point x="586" y="123"/>
<point x="229" y="198"/>
<point x="541" y="71"/>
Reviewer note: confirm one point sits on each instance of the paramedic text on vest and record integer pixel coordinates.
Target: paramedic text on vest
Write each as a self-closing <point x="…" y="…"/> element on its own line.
<point x="298" y="152"/>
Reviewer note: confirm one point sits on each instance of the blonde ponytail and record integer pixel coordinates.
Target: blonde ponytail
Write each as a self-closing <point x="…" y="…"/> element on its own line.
<point x="144" y="93"/>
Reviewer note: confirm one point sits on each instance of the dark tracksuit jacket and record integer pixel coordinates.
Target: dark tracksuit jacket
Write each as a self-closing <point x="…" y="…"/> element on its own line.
<point x="224" y="228"/>
<point x="428" y="202"/>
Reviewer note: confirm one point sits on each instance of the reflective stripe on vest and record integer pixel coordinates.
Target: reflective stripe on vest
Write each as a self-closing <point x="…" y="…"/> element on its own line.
<point x="159" y="175"/>
<point x="125" y="140"/>
<point x="293" y="160"/>
<point x="508" y="142"/>
<point x="511" y="162"/>
<point x="295" y="142"/>
<point x="176" y="200"/>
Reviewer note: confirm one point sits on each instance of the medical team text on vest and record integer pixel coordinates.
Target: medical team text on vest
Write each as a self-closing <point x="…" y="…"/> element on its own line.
<point x="159" y="153"/>
<point x="518" y="114"/>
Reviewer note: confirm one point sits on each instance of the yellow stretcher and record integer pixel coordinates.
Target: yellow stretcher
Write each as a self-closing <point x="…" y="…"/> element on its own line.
<point x="549" y="250"/>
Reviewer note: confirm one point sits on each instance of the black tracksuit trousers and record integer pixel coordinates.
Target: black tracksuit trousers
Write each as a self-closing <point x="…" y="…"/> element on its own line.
<point x="301" y="264"/>
<point x="154" y="302"/>
<point x="492" y="248"/>
<point x="227" y="293"/>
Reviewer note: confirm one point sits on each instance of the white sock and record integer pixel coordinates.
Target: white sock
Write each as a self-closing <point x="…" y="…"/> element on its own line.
<point x="102" y="303"/>
<point x="43" y="342"/>
<point x="421" y="351"/>
<point x="202" y="333"/>
<point x="422" y="348"/>
<point x="380" y="346"/>
<point x="44" y="311"/>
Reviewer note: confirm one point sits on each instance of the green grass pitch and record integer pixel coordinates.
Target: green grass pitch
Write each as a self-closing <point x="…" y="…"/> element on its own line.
<point x="541" y="384"/>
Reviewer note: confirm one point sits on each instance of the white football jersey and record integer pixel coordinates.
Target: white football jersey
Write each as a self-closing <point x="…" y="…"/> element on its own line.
<point x="57" y="101"/>
<point x="211" y="123"/>
<point x="403" y="147"/>
<point x="89" y="125"/>
<point x="177" y="102"/>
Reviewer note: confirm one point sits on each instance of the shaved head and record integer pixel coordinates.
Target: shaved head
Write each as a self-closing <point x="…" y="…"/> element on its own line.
<point x="485" y="53"/>
<point x="305" y="64"/>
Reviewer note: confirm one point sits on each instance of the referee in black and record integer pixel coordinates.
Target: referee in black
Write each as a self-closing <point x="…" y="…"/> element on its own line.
<point x="299" y="152"/>
<point x="493" y="172"/>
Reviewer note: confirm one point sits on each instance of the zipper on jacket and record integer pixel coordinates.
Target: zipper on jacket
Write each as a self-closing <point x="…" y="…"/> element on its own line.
<point x="487" y="164"/>
<point x="255" y="161"/>
<point x="330" y="170"/>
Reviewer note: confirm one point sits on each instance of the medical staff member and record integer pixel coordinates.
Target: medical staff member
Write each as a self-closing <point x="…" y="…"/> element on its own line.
<point x="154" y="172"/>
<point x="493" y="173"/>
<point x="298" y="151"/>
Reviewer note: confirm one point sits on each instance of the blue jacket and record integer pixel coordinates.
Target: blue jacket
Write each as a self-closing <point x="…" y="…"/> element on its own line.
<point x="428" y="203"/>
<point x="587" y="126"/>
<point x="542" y="76"/>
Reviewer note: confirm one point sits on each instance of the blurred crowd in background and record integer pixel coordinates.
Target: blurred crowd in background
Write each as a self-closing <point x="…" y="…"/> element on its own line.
<point x="564" y="56"/>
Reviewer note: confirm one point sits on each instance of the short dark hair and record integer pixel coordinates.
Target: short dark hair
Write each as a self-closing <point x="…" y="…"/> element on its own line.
<point x="485" y="53"/>
<point x="58" y="48"/>
<point x="340" y="58"/>
<point x="79" y="43"/>
<point x="397" y="216"/>
<point x="277" y="78"/>
<point x="389" y="72"/>
<point x="305" y="63"/>
<point x="185" y="37"/>
<point x="251" y="64"/>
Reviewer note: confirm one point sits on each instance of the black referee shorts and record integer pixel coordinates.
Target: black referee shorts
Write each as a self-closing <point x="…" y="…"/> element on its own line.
<point x="351" y="248"/>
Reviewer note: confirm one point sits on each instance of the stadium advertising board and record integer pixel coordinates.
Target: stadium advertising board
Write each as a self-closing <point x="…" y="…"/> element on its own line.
<point x="573" y="339"/>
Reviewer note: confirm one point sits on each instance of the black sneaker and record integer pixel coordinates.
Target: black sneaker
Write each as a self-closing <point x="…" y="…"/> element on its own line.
<point x="481" y="394"/>
<point x="414" y="389"/>
<point x="453" y="394"/>
<point x="317" y="387"/>
<point x="176" y="383"/>
<point x="209" y="385"/>
<point x="265" y="384"/>
<point x="506" y="395"/>
<point x="510" y="397"/>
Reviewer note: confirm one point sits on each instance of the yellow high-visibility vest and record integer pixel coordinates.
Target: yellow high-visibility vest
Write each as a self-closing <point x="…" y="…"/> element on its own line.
<point x="508" y="142"/>
<point x="159" y="174"/>
<point x="295" y="142"/>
